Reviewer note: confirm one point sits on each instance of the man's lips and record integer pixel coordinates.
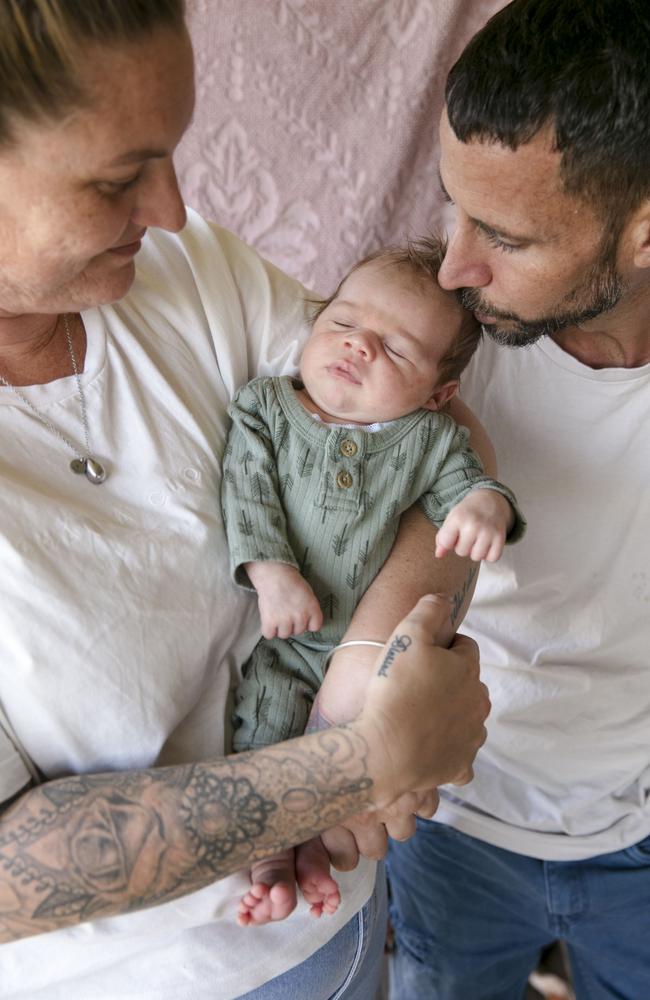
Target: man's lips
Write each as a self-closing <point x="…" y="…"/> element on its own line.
<point x="485" y="319"/>
<point x="346" y="371"/>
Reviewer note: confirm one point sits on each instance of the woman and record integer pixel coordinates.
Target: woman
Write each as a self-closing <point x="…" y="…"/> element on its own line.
<point x="119" y="631"/>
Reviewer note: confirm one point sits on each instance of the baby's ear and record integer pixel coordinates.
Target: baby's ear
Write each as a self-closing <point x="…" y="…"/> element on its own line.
<point x="440" y="396"/>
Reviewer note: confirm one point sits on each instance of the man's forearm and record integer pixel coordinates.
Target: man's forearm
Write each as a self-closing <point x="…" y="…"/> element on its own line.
<point x="93" y="846"/>
<point x="410" y="571"/>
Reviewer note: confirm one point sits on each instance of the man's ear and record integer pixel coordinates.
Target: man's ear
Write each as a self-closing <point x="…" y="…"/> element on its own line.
<point x="440" y="396"/>
<point x="640" y="235"/>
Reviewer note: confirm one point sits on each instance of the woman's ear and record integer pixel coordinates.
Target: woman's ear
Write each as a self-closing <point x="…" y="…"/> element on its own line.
<point x="442" y="395"/>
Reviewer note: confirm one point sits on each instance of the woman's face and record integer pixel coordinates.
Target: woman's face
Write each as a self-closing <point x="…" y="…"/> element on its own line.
<point x="77" y="195"/>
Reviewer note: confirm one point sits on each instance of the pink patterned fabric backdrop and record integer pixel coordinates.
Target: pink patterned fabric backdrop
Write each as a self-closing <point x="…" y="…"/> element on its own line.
<point x="315" y="136"/>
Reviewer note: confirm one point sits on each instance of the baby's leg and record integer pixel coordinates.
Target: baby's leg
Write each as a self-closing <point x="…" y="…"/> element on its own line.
<point x="314" y="879"/>
<point x="272" y="895"/>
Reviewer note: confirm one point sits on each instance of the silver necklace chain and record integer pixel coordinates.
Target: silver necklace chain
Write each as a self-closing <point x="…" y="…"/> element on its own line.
<point x="80" y="464"/>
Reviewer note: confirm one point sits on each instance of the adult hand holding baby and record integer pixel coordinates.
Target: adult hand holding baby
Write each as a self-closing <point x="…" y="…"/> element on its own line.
<point x="424" y="698"/>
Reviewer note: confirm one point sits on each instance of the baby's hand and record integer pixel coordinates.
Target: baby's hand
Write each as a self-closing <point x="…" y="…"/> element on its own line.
<point x="476" y="527"/>
<point x="288" y="605"/>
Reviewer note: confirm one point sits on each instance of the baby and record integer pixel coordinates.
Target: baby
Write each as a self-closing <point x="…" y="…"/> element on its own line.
<point x="317" y="472"/>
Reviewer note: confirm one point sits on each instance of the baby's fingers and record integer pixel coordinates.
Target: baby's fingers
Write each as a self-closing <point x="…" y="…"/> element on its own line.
<point x="480" y="546"/>
<point x="446" y="540"/>
<point x="488" y="545"/>
<point x="468" y="541"/>
<point x="496" y="549"/>
<point x="315" y="619"/>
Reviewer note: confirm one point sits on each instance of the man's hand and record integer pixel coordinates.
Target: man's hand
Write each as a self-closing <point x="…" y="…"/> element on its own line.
<point x="287" y="604"/>
<point x="367" y="833"/>
<point x="425" y="707"/>
<point x="476" y="527"/>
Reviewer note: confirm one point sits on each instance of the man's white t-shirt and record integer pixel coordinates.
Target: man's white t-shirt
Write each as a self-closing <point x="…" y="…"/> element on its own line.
<point x="120" y="632"/>
<point x="562" y="620"/>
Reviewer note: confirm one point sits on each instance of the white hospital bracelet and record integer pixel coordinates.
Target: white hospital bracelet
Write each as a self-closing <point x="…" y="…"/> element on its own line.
<point x="351" y="642"/>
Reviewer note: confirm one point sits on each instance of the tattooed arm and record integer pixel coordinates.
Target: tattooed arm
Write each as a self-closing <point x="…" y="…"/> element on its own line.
<point x="93" y="846"/>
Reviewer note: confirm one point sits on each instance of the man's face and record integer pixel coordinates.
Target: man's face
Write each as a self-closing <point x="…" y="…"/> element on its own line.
<point x="527" y="258"/>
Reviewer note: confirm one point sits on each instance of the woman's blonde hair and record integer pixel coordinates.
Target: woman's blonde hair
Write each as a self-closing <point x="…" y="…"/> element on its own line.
<point x="41" y="42"/>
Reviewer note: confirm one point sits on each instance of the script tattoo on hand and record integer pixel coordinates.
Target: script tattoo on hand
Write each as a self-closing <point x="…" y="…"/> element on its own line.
<point x="399" y="644"/>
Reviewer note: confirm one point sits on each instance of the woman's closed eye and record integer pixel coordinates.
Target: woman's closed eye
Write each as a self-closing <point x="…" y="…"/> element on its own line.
<point x="116" y="187"/>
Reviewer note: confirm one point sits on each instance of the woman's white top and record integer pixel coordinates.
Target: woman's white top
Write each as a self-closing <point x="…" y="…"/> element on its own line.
<point x="120" y="632"/>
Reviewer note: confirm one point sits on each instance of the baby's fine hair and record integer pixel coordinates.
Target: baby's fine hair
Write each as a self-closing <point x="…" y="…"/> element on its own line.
<point x="422" y="258"/>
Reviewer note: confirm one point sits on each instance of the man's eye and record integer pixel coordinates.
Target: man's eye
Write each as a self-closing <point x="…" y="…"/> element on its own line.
<point x="495" y="241"/>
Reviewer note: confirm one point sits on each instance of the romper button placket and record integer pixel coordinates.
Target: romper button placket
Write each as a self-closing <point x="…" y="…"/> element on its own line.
<point x="344" y="480"/>
<point x="348" y="448"/>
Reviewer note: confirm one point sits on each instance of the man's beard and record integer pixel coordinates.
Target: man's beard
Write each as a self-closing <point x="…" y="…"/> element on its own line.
<point x="599" y="292"/>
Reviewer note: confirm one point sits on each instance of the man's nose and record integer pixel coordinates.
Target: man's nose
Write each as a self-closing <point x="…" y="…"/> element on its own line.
<point x="463" y="266"/>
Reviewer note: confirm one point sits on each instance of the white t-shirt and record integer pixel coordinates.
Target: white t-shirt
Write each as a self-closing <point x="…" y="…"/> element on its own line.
<point x="120" y="632"/>
<point x="563" y="619"/>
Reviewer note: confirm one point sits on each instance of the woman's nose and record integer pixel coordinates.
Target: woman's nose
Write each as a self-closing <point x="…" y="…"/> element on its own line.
<point x="159" y="200"/>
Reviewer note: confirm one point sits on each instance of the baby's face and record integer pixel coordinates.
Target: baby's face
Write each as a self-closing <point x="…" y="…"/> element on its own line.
<point x="374" y="351"/>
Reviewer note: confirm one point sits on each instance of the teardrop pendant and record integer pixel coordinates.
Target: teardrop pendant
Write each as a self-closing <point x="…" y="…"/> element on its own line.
<point x="90" y="468"/>
<point x="95" y="473"/>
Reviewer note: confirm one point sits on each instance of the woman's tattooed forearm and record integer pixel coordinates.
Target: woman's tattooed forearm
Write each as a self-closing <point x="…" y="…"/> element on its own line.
<point x="97" y="845"/>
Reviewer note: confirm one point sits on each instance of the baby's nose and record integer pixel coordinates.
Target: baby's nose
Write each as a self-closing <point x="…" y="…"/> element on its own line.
<point x="361" y="341"/>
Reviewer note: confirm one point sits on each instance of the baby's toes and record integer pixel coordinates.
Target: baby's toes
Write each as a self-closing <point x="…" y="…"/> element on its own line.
<point x="283" y="900"/>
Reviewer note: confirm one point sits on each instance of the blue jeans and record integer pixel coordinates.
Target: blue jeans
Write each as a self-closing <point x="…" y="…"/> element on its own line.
<point x="470" y="920"/>
<point x="349" y="966"/>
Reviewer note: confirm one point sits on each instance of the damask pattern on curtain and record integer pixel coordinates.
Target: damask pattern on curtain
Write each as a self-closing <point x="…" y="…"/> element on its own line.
<point x="315" y="136"/>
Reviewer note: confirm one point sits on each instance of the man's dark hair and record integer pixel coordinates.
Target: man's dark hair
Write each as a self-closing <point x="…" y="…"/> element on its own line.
<point x="581" y="67"/>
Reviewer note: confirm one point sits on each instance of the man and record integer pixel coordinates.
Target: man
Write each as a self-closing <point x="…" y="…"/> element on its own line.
<point x="545" y="154"/>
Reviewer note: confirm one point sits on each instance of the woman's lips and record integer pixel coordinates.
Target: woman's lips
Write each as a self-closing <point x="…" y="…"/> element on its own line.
<point x="128" y="249"/>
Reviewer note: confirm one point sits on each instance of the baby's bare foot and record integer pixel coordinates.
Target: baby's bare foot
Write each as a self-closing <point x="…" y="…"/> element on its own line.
<point x="272" y="895"/>
<point x="314" y="879"/>
<point x="263" y="903"/>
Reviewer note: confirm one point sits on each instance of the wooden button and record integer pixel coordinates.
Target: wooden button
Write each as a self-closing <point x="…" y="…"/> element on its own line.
<point x="344" y="479"/>
<point x="348" y="448"/>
